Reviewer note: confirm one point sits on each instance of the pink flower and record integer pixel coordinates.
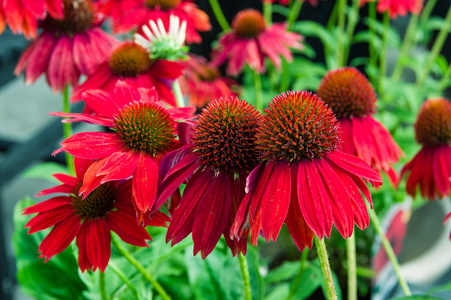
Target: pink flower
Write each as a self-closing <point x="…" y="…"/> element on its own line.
<point x="66" y="48"/>
<point x="251" y="41"/>
<point x="397" y="8"/>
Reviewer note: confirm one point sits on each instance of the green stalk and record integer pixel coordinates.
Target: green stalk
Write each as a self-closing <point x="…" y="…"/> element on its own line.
<point x="140" y="269"/>
<point x="428" y="10"/>
<point x="445" y="81"/>
<point x="219" y="15"/>
<point x="383" y="56"/>
<point x="67" y="129"/>
<point x="294" y="13"/>
<point x="178" y="93"/>
<point x="102" y="286"/>
<point x="267" y="12"/>
<point x="405" y="47"/>
<point x="258" y="90"/>
<point x="353" y="18"/>
<point x="372" y="31"/>
<point x="330" y="27"/>
<point x="341" y="31"/>
<point x="245" y="276"/>
<point x="325" y="268"/>
<point x="298" y="278"/>
<point x="389" y="250"/>
<point x="352" y="267"/>
<point x="124" y="278"/>
<point x="436" y="48"/>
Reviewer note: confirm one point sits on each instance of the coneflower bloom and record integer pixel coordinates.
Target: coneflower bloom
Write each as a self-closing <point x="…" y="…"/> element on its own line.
<point x="22" y="16"/>
<point x="131" y="62"/>
<point x="353" y="100"/>
<point x="397" y="8"/>
<point x="202" y="82"/>
<point x="251" y="41"/>
<point x="218" y="161"/>
<point x="90" y="220"/>
<point x="430" y="169"/>
<point x="303" y="180"/>
<point x="143" y="132"/>
<point x="196" y="19"/>
<point x="66" y="48"/>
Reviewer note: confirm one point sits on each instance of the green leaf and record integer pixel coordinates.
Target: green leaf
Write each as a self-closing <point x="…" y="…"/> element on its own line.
<point x="310" y="282"/>
<point x="314" y="29"/>
<point x="285" y="271"/>
<point x="56" y="279"/>
<point x="281" y="291"/>
<point x="45" y="171"/>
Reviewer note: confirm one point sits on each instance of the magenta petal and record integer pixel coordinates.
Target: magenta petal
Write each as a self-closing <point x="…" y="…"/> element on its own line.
<point x="61" y="70"/>
<point x="119" y="166"/>
<point x="145" y="182"/>
<point x="173" y="158"/>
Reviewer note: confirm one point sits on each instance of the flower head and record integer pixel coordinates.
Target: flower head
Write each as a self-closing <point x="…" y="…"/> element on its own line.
<point x="221" y="154"/>
<point x="143" y="132"/>
<point x="304" y="180"/>
<point x="252" y="40"/>
<point x="90" y="220"/>
<point x="353" y="100"/>
<point x="67" y="47"/>
<point x="430" y="169"/>
<point x="397" y="8"/>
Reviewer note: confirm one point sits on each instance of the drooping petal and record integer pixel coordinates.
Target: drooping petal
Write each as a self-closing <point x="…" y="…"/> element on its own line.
<point x="47" y="219"/>
<point x="47" y="205"/>
<point x="119" y="166"/>
<point x="98" y="243"/>
<point x="145" y="182"/>
<point x="124" y="225"/>
<point x="442" y="169"/>
<point x="354" y="165"/>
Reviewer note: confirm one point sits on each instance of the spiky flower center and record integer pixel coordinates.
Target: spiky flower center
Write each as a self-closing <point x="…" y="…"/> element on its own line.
<point x="145" y="126"/>
<point x="163" y="4"/>
<point x="224" y="135"/>
<point x="433" y="124"/>
<point x="248" y="23"/>
<point x="79" y="16"/>
<point x="297" y="125"/>
<point x="348" y="93"/>
<point x="129" y="60"/>
<point x="97" y="204"/>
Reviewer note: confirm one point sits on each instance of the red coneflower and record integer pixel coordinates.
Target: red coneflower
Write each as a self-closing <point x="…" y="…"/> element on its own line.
<point x="203" y="82"/>
<point x="353" y="100"/>
<point x="397" y="8"/>
<point x="303" y="180"/>
<point x="131" y="62"/>
<point x="22" y="16"/>
<point x="66" y="48"/>
<point x="251" y="41"/>
<point x="217" y="162"/>
<point x="144" y="131"/>
<point x="185" y="10"/>
<point x="108" y="207"/>
<point x="430" y="169"/>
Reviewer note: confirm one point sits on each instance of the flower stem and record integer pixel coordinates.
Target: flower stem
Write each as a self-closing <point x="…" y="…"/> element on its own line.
<point x="67" y="129"/>
<point x="178" y="93"/>
<point x="372" y="47"/>
<point x="298" y="278"/>
<point x="258" y="90"/>
<point x="102" y="285"/>
<point x="383" y="57"/>
<point x="124" y="278"/>
<point x="294" y="13"/>
<point x="341" y="30"/>
<point x="140" y="269"/>
<point x="246" y="278"/>
<point x="219" y="15"/>
<point x="352" y="267"/>
<point x="405" y="47"/>
<point x="267" y="12"/>
<point x="389" y="250"/>
<point x="437" y="47"/>
<point x="430" y="4"/>
<point x="445" y="81"/>
<point x="353" y="18"/>
<point x="325" y="268"/>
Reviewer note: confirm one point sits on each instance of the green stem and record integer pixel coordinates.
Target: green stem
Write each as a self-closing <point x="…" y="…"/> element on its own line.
<point x="178" y="93"/>
<point x="219" y="15"/>
<point x="383" y="56"/>
<point x="389" y="250"/>
<point x="437" y="47"/>
<point x="372" y="31"/>
<point x="341" y="30"/>
<point x="330" y="27"/>
<point x="428" y="10"/>
<point x="124" y="278"/>
<point x="353" y="18"/>
<point x="245" y="276"/>
<point x="352" y="267"/>
<point x="325" y="268"/>
<point x="140" y="269"/>
<point x="267" y="12"/>
<point x="445" y="81"/>
<point x="67" y="129"/>
<point x="406" y="46"/>
<point x="285" y="77"/>
<point x="298" y="278"/>
<point x="258" y="90"/>
<point x="294" y="13"/>
<point x="102" y="285"/>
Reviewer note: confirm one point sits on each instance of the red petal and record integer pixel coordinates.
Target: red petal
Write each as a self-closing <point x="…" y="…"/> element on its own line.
<point x="126" y="228"/>
<point x="47" y="205"/>
<point x="83" y="261"/>
<point x="49" y="218"/>
<point x="442" y="169"/>
<point x="119" y="166"/>
<point x="126" y="92"/>
<point x="81" y="166"/>
<point x="93" y="145"/>
<point x="57" y="189"/>
<point x="67" y="179"/>
<point x="354" y="165"/>
<point x="145" y="182"/>
<point x="91" y="181"/>
<point x="103" y="103"/>
<point x="166" y="69"/>
<point x="98" y="243"/>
